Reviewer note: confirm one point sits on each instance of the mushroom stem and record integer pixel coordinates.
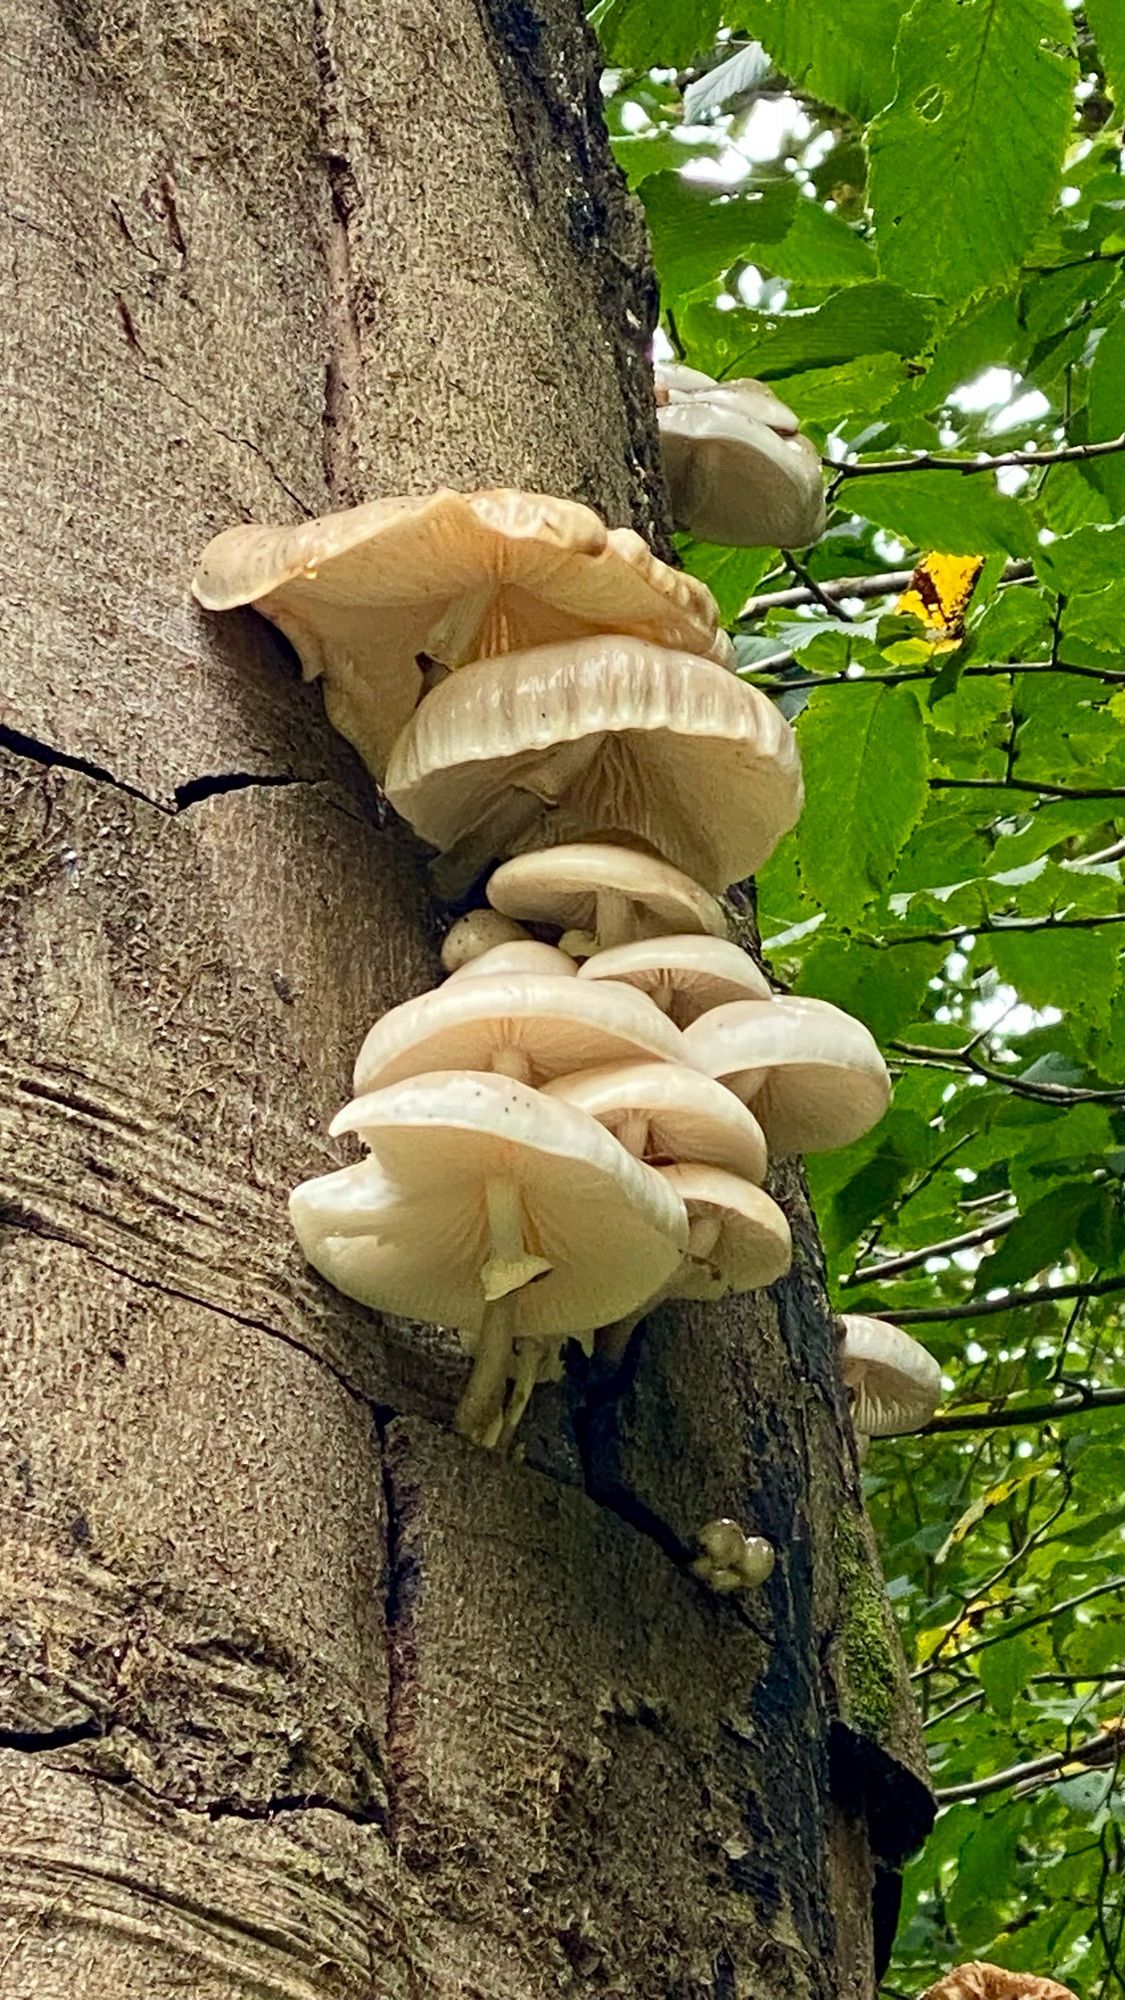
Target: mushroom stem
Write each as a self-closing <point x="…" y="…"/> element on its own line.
<point x="632" y="1133"/>
<point x="527" y="1372"/>
<point x="482" y="1399"/>
<point x="513" y="1063"/>
<point x="614" y="922"/>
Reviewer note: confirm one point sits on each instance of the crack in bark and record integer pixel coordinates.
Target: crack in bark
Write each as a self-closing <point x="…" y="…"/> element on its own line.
<point x="36" y="1742"/>
<point x="345" y="358"/>
<point x="403" y="1582"/>
<point x="230" y="437"/>
<point x="191" y="792"/>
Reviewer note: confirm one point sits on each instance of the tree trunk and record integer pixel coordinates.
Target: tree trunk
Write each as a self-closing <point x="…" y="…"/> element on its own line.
<point x="301" y="1696"/>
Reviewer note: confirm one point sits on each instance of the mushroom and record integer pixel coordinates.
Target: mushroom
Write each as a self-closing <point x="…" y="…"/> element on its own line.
<point x="665" y="1113"/>
<point x="738" y="471"/>
<point x="543" y="1224"/>
<point x="370" y="595"/>
<point x="812" y="1073"/>
<point x="474" y="934"/>
<point x="977" y="1980"/>
<point x="738" y="1237"/>
<point x="731" y="1560"/>
<point x="601" y="738"/>
<point x="523" y="955"/>
<point x="521" y="1026"/>
<point x="685" y="976"/>
<point x="893" y="1381"/>
<point x="601" y="895"/>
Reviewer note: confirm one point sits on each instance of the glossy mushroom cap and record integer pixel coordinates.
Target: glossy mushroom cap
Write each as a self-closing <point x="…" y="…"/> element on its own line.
<point x="812" y="1073"/>
<point x="607" y="894"/>
<point x="895" y="1383"/>
<point x="366" y="594"/>
<point x="523" y="1025"/>
<point x="606" y="738"/>
<point x="665" y="1114"/>
<point x="590" y="1224"/>
<point x="523" y="955"/>
<point x="685" y="976"/>
<point x="979" y="1981"/>
<point x="739" y="1238"/>
<point x="738" y="471"/>
<point x="474" y="934"/>
<point x="731" y="1560"/>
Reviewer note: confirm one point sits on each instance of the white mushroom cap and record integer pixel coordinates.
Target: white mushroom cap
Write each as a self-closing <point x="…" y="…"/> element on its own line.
<point x="413" y="1229"/>
<point x="523" y="955"/>
<point x="609" y="893"/>
<point x="741" y="395"/>
<point x="685" y="976"/>
<point x="451" y="577"/>
<point x="521" y="1025"/>
<point x="474" y="934"/>
<point x="730" y="1559"/>
<point x="738" y="471"/>
<point x="812" y="1073"/>
<point x="739" y="1238"/>
<point x="894" y="1381"/>
<point x="604" y="737"/>
<point x="660" y="1113"/>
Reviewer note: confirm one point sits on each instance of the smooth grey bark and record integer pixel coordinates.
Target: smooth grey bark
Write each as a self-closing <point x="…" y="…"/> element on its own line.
<point x="300" y="1696"/>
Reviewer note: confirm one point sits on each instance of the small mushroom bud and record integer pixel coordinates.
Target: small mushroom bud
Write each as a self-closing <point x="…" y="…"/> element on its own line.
<point x="472" y="935"/>
<point x="731" y="1560"/>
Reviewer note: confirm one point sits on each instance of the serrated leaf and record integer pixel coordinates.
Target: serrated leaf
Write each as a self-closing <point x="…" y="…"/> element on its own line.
<point x="950" y="513"/>
<point x="638" y="34"/>
<point x="841" y="53"/>
<point x="1107" y="20"/>
<point x="1107" y="410"/>
<point x="730" y="79"/>
<point x="873" y="318"/>
<point x="696" y="236"/>
<point x="958" y="185"/>
<point x="1074" y="970"/>
<point x="1004" y="1670"/>
<point x="1039" y="1238"/>
<point x="866" y="763"/>
<point x="819" y="249"/>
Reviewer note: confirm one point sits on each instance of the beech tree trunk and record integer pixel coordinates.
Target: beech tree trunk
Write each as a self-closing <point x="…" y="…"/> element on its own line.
<point x="300" y="1695"/>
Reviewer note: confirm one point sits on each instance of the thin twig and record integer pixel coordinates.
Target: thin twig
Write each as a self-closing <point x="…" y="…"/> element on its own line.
<point x="1006" y="1302"/>
<point x="919" y="1055"/>
<point x="1097" y="1751"/>
<point x="901" y="676"/>
<point x="1044" y="789"/>
<point x="1009" y="1631"/>
<point x="892" y="1267"/>
<point x="884" y="583"/>
<point x="928" y="461"/>
<point x="1050" y="922"/>
<point x="1002" y="1418"/>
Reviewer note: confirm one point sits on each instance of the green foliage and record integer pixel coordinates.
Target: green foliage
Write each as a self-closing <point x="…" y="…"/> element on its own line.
<point x="956" y="878"/>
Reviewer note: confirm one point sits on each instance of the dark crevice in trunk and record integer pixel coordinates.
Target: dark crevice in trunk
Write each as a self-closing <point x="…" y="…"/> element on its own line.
<point x="195" y="790"/>
<point x="36" y="1742"/>
<point x="345" y="360"/>
<point x="401" y="1587"/>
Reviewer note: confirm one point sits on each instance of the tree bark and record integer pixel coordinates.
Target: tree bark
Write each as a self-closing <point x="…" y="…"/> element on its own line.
<point x="299" y="1695"/>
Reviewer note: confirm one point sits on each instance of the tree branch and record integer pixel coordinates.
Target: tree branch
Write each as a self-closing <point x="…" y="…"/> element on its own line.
<point x="1097" y="1750"/>
<point x="928" y="461"/>
<point x="884" y="583"/>
<point x="892" y="1267"/>
<point x="1009" y="1631"/>
<point x="1007" y="1302"/>
<point x="1049" y="922"/>
<point x="919" y="1054"/>
<point x="900" y="676"/>
<point x="993" y="1418"/>
<point x="1044" y="790"/>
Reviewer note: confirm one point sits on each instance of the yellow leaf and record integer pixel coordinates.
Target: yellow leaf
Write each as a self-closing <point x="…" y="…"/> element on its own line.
<point x="938" y="596"/>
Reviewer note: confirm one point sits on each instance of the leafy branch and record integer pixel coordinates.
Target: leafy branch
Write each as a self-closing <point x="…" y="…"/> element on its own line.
<point x="1043" y="787"/>
<point x="1009" y="1631"/>
<point x="919" y="1055"/>
<point x="901" y="676"/>
<point x="892" y="1267"/>
<point x="879" y="583"/>
<point x="1097" y="1751"/>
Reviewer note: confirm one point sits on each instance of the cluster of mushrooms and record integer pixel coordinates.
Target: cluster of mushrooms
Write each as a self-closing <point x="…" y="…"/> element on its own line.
<point x="577" y="1122"/>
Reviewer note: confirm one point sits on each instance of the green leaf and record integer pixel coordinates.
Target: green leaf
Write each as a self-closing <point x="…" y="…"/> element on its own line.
<point x="732" y="575"/>
<point x="1107" y="410"/>
<point x="953" y="513"/>
<point x="1004" y="1671"/>
<point x="871" y="318"/>
<point x="866" y="763"/>
<point x="959" y="182"/>
<point x="1089" y="559"/>
<point x="639" y="34"/>
<point x="882" y="988"/>
<point x="1039" y="1238"/>
<point x="696" y="237"/>
<point x="839" y="52"/>
<point x="1107" y="20"/>
<point x="819" y="249"/>
<point x="1076" y="971"/>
